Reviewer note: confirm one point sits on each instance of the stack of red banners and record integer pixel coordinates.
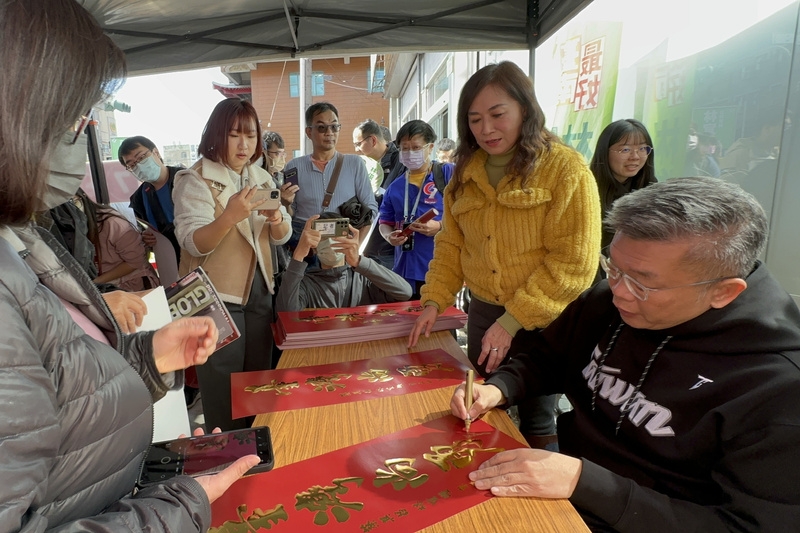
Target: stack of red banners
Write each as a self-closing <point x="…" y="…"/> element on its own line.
<point x="326" y="327"/>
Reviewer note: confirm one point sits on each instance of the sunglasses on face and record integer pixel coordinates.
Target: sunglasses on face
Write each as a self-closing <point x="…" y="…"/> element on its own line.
<point x="322" y="128"/>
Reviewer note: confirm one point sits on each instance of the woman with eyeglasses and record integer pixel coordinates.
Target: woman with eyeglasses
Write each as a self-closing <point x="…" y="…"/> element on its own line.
<point x="521" y="227"/>
<point x="623" y="162"/>
<point x="221" y="228"/>
<point x="274" y="155"/>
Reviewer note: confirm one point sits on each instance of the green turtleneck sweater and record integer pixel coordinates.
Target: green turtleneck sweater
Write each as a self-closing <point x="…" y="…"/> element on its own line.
<point x="496" y="166"/>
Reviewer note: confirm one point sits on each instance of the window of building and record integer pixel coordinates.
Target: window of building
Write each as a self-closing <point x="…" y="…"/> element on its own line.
<point x="411" y="115"/>
<point x="439" y="123"/>
<point x="317" y="84"/>
<point x="377" y="80"/>
<point x="438" y="86"/>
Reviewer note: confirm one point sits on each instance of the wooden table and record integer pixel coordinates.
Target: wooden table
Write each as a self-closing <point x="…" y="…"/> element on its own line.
<point x="304" y="433"/>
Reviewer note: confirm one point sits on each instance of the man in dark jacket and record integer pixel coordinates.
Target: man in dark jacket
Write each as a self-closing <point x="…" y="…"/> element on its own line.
<point x="152" y="201"/>
<point x="683" y="369"/>
<point x="368" y="139"/>
<point x="345" y="278"/>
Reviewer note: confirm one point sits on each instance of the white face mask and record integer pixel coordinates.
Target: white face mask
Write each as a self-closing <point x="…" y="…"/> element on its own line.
<point x="276" y="164"/>
<point x="327" y="255"/>
<point x="413" y="159"/>
<point x="67" y="169"/>
<point x="147" y="171"/>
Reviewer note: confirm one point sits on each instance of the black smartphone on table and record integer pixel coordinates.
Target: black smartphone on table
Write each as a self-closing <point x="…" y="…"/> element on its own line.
<point x="206" y="454"/>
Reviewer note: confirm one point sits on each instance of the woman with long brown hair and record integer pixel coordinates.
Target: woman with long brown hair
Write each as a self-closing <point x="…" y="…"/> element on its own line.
<point x="623" y="162"/>
<point x="521" y="227"/>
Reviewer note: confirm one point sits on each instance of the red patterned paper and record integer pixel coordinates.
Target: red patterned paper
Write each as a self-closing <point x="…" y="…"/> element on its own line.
<point x="269" y="391"/>
<point x="401" y="482"/>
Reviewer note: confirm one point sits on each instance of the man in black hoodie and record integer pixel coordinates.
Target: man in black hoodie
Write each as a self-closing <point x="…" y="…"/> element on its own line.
<point x="683" y="369"/>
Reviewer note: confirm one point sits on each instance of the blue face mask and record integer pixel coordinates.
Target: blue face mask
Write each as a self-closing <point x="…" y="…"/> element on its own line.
<point x="147" y="170"/>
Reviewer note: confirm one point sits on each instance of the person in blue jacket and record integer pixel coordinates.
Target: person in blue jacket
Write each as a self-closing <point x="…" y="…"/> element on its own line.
<point x="408" y="197"/>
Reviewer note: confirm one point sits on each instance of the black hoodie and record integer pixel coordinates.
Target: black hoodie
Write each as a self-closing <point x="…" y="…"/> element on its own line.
<point x="711" y="441"/>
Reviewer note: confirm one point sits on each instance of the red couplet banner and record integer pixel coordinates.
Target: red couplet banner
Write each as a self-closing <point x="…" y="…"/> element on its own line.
<point x="269" y="391"/>
<point x="400" y="482"/>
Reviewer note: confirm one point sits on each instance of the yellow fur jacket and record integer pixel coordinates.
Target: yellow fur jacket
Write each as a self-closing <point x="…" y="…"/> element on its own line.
<point x="531" y="250"/>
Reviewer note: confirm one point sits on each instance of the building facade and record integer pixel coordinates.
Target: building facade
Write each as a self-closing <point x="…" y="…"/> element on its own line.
<point x="352" y="84"/>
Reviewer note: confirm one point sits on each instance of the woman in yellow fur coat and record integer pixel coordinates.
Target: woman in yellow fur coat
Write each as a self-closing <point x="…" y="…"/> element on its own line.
<point x="521" y="227"/>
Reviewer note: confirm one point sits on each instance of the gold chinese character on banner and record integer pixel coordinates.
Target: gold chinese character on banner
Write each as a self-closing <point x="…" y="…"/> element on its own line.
<point x="322" y="499"/>
<point x="415" y="309"/>
<point x="459" y="454"/>
<point x="375" y="375"/>
<point x="349" y="317"/>
<point x="314" y="319"/>
<point x="422" y="370"/>
<point x="400" y="473"/>
<point x="278" y="387"/>
<point x="326" y="383"/>
<point x="257" y="520"/>
<point x="385" y="312"/>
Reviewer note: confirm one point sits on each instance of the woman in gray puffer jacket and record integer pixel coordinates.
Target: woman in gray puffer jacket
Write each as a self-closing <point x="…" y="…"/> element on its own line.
<point x="76" y="416"/>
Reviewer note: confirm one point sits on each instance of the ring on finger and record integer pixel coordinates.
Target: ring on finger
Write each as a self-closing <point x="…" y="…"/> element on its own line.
<point x="494" y="349"/>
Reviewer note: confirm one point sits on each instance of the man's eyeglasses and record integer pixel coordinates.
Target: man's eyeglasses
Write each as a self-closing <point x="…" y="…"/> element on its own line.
<point x="333" y="128"/>
<point x="643" y="151"/>
<point x="641" y="292"/>
<point x="135" y="163"/>
<point x="359" y="143"/>
<point x="276" y="153"/>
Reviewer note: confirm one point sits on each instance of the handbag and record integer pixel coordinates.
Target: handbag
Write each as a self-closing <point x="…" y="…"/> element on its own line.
<point x="352" y="209"/>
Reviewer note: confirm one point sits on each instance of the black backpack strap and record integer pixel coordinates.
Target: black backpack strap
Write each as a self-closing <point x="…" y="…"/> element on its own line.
<point x="438" y="177"/>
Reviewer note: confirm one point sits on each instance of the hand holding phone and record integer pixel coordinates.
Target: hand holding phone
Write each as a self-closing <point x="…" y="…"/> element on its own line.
<point x="290" y="176"/>
<point x="272" y="197"/>
<point x="207" y="454"/>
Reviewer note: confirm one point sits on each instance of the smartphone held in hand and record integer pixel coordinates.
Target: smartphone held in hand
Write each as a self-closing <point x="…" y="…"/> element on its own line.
<point x="206" y="454"/>
<point x="272" y="197"/>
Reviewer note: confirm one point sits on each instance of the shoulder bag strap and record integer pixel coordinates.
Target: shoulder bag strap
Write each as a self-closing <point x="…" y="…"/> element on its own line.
<point x="332" y="185"/>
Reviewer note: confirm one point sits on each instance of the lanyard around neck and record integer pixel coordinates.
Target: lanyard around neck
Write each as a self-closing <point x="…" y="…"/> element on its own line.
<point x="407" y="217"/>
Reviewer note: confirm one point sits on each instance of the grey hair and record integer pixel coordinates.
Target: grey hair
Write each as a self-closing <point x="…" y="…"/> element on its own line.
<point x="728" y="225"/>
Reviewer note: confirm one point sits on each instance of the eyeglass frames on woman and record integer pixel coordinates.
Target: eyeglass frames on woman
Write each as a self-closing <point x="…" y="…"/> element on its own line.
<point x="643" y="151"/>
<point x="333" y="128"/>
<point x="138" y="160"/>
<point x="638" y="290"/>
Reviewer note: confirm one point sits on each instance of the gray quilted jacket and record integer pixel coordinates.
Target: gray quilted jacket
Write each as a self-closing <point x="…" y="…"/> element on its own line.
<point x="75" y="416"/>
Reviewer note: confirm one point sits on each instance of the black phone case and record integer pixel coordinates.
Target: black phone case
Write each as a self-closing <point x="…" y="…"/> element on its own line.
<point x="161" y="464"/>
<point x="290" y="176"/>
